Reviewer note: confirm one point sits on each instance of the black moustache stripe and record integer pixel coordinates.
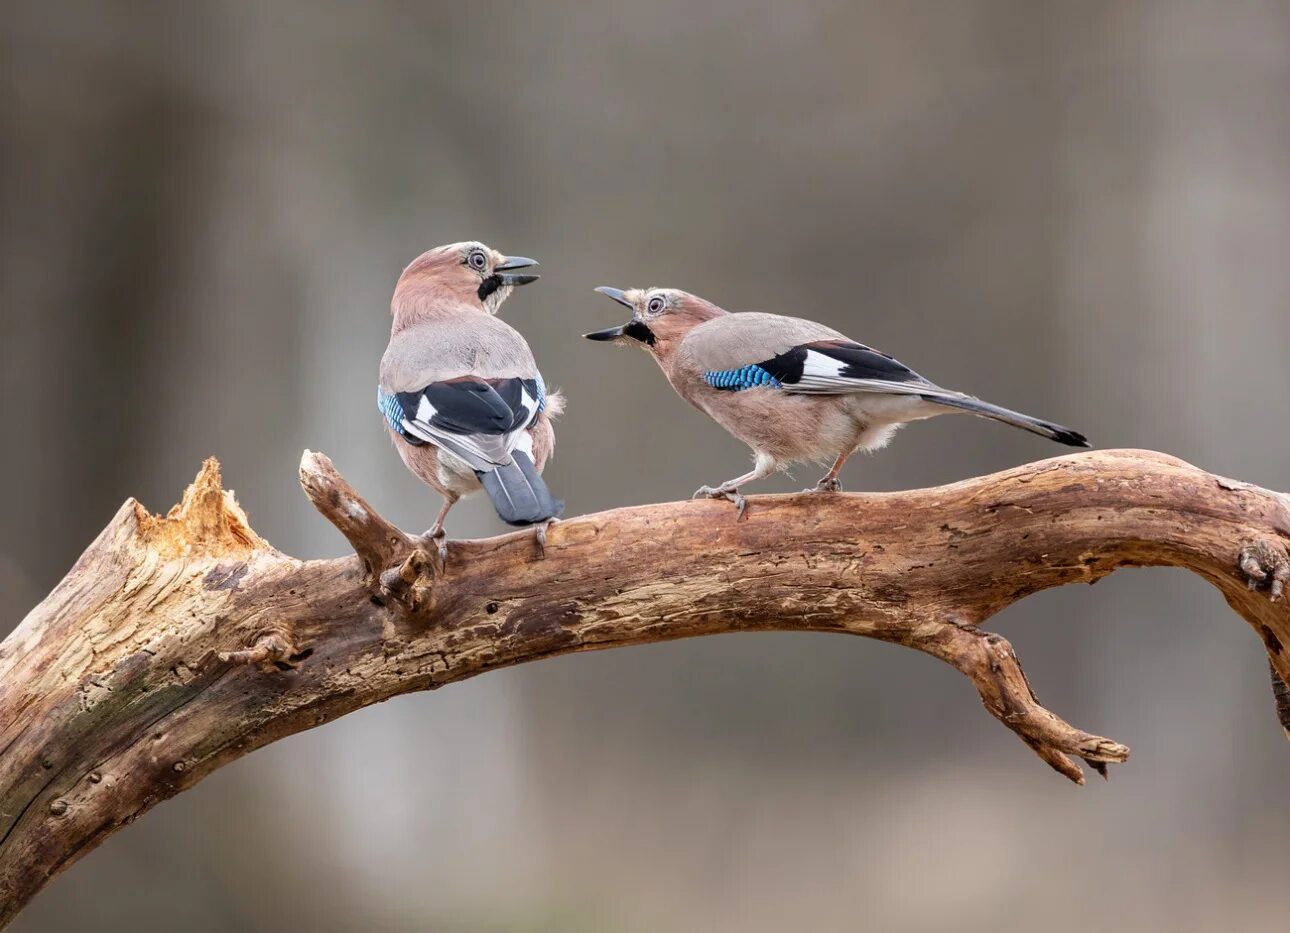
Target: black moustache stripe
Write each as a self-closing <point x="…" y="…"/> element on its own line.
<point x="489" y="285"/>
<point x="639" y="330"/>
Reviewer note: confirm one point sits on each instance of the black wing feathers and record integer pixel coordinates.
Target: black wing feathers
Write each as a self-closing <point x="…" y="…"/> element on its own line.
<point x="838" y="360"/>
<point x="787" y="367"/>
<point x="472" y="406"/>
<point x="861" y="362"/>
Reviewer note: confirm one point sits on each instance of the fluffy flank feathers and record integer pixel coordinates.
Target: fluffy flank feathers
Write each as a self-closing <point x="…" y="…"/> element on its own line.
<point x="555" y="403"/>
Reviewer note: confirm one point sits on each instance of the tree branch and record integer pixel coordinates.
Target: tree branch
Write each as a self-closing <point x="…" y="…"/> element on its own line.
<point x="179" y="643"/>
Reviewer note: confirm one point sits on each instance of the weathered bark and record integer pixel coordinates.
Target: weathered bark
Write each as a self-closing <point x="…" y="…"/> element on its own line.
<point x="179" y="643"/>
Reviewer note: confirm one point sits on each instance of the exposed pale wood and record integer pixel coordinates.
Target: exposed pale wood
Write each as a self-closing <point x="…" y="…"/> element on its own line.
<point x="179" y="643"/>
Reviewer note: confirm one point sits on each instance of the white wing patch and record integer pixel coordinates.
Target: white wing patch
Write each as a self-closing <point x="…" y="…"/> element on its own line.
<point x="822" y="374"/>
<point x="530" y="405"/>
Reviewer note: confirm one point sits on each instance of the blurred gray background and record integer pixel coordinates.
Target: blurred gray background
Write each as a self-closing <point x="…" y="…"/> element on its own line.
<point x="1078" y="209"/>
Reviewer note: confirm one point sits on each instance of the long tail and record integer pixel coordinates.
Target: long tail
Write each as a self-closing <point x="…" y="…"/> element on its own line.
<point x="1054" y="432"/>
<point x="518" y="492"/>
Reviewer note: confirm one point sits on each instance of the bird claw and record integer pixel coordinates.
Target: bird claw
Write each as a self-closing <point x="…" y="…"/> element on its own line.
<point x="730" y="494"/>
<point x="826" y="485"/>
<point x="438" y="537"/>
<point x="539" y="535"/>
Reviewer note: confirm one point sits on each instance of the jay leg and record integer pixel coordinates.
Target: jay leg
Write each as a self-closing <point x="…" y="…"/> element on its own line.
<point x="437" y="533"/>
<point x="830" y="483"/>
<point x="763" y="466"/>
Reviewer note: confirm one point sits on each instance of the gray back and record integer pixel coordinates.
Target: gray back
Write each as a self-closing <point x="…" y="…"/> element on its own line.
<point x="452" y="345"/>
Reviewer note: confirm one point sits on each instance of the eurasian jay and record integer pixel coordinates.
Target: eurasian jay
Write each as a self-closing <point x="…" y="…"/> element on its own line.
<point x="790" y="389"/>
<point x="463" y="400"/>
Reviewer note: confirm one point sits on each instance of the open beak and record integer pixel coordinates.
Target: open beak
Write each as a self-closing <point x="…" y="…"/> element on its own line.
<point x="636" y="329"/>
<point x="609" y="333"/>
<point x="615" y="293"/>
<point x="506" y="277"/>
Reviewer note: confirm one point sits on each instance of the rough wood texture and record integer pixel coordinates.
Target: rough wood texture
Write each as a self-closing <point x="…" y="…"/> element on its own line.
<point x="179" y="643"/>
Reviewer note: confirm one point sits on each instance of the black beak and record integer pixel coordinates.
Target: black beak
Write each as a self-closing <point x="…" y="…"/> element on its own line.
<point x="515" y="262"/>
<point x="636" y="329"/>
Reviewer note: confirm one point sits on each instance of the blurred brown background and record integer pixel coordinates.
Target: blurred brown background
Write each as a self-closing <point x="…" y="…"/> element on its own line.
<point x="1078" y="209"/>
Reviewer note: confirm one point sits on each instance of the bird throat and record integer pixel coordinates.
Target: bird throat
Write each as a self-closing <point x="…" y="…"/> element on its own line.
<point x="492" y="293"/>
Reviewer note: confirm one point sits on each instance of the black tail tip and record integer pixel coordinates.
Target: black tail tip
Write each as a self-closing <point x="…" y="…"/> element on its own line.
<point x="1070" y="438"/>
<point x="554" y="509"/>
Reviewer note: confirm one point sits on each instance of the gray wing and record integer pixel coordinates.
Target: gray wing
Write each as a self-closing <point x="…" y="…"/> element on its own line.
<point x="746" y="337"/>
<point x="743" y="351"/>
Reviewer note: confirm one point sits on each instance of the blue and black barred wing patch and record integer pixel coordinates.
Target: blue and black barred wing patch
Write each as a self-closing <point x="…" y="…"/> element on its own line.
<point x="836" y="367"/>
<point x="392" y="408"/>
<point x="539" y="386"/>
<point x="478" y="420"/>
<point x="745" y="377"/>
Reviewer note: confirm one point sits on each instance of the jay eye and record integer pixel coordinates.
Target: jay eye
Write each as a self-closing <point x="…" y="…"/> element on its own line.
<point x="655" y="305"/>
<point x="477" y="261"/>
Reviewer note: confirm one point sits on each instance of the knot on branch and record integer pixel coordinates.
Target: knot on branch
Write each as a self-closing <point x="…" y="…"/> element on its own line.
<point x="412" y="582"/>
<point x="271" y="651"/>
<point x="1264" y="565"/>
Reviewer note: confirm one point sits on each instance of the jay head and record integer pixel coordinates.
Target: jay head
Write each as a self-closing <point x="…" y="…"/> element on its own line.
<point x="661" y="317"/>
<point x="789" y="388"/>
<point x="467" y="274"/>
